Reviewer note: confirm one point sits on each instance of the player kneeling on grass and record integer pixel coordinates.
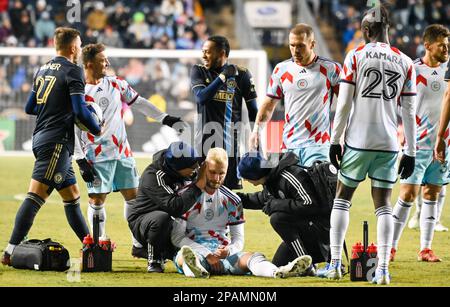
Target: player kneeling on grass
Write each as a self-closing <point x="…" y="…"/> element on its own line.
<point x="299" y="210"/>
<point x="202" y="232"/>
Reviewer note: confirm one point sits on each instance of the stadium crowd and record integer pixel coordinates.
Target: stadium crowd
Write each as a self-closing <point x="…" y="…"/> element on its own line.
<point x="409" y="17"/>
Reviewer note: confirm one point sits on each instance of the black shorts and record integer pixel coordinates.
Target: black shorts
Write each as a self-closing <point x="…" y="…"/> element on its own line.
<point x="53" y="166"/>
<point x="231" y="180"/>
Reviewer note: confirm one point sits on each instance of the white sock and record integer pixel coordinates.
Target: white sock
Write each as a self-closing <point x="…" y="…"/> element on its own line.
<point x="126" y="213"/>
<point x="339" y="220"/>
<point x="260" y="266"/>
<point x="400" y="215"/>
<point x="427" y="223"/>
<point x="385" y="231"/>
<point x="441" y="202"/>
<point x="419" y="201"/>
<point x="101" y="212"/>
<point x="10" y="248"/>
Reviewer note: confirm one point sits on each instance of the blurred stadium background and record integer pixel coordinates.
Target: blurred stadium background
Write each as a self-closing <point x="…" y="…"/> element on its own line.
<point x="166" y="37"/>
<point x="157" y="26"/>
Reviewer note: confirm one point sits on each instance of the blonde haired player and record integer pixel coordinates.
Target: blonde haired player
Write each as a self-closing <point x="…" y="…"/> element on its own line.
<point x="202" y="232"/>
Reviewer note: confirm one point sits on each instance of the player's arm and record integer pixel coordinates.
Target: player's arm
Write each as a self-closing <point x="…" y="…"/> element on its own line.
<point x="87" y="171"/>
<point x="31" y="106"/>
<point x="262" y="117"/>
<point x="179" y="238"/>
<point x="252" y="201"/>
<point x="75" y="82"/>
<point x="249" y="94"/>
<point x="203" y="92"/>
<point x="440" y="146"/>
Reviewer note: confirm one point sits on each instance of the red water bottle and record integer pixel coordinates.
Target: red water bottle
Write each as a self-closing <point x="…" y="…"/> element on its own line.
<point x="357" y="250"/>
<point x="87" y="240"/>
<point x="105" y="243"/>
<point x="372" y="250"/>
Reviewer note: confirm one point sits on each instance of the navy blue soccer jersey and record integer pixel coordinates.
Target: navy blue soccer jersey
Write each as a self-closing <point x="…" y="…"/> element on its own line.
<point x="226" y="105"/>
<point x="53" y="84"/>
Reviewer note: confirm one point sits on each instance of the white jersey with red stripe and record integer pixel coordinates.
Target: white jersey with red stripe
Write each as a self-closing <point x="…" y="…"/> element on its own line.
<point x="208" y="220"/>
<point x="308" y="95"/>
<point x="113" y="144"/>
<point x="430" y="91"/>
<point x="381" y="74"/>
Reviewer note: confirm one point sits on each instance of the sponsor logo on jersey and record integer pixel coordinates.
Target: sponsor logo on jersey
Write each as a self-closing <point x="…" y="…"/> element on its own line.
<point x="303" y="71"/>
<point x="99" y="90"/>
<point x="434" y="73"/>
<point x="224" y="96"/>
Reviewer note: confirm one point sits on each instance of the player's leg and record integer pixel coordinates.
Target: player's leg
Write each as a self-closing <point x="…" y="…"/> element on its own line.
<point x="98" y="190"/>
<point x="414" y="220"/>
<point x="441" y="201"/>
<point x="96" y="207"/>
<point x="428" y="219"/>
<point x="400" y="213"/>
<point x="190" y="263"/>
<point x="126" y="180"/>
<point x="315" y="153"/>
<point x="35" y="199"/>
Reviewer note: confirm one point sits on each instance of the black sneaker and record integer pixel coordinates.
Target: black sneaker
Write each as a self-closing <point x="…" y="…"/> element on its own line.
<point x="6" y="259"/>
<point x="139" y="252"/>
<point x="155" y="267"/>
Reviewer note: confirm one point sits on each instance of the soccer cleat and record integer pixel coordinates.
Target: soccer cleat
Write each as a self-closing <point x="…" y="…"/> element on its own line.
<point x="393" y="252"/>
<point x="414" y="221"/>
<point x="139" y="252"/>
<point x="427" y="255"/>
<point x="155" y="267"/>
<point x="296" y="267"/>
<point x="192" y="262"/>
<point x="311" y="271"/>
<point x="382" y="277"/>
<point x="440" y="228"/>
<point x="6" y="259"/>
<point x="331" y="272"/>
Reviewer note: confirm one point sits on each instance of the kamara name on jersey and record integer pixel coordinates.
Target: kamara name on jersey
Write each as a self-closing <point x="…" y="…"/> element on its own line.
<point x="224" y="96"/>
<point x="51" y="66"/>
<point x="383" y="56"/>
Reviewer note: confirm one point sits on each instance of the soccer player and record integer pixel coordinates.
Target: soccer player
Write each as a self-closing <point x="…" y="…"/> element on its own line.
<point x="56" y="99"/>
<point x="165" y="191"/>
<point x="431" y="173"/>
<point x="307" y="83"/>
<point x="297" y="201"/>
<point x="201" y="233"/>
<point x="375" y="77"/>
<point x="218" y="89"/>
<point x="106" y="162"/>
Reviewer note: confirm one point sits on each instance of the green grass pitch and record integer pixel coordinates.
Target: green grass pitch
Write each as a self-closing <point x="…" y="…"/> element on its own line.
<point x="15" y="174"/>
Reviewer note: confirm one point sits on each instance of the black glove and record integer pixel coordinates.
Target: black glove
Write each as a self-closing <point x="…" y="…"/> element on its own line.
<point x="267" y="209"/>
<point x="335" y="151"/>
<point x="171" y="120"/>
<point x="87" y="171"/>
<point x="230" y="71"/>
<point x="406" y="166"/>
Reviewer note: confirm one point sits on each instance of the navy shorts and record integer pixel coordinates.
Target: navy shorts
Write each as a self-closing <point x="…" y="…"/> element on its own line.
<point x="53" y="166"/>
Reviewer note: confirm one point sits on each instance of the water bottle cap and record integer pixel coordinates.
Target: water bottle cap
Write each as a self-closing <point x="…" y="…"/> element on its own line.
<point x="88" y="239"/>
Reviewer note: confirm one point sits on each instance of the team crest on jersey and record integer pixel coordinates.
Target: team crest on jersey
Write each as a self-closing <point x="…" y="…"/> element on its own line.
<point x="103" y="103"/>
<point x="209" y="214"/>
<point x="231" y="84"/>
<point x="302" y="84"/>
<point x="444" y="168"/>
<point x="58" y="178"/>
<point x="435" y="86"/>
<point x="281" y="194"/>
<point x="97" y="182"/>
<point x="332" y="169"/>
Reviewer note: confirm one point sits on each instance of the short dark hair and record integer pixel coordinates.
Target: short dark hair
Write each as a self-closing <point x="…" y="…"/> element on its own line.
<point x="376" y="25"/>
<point x="221" y="43"/>
<point x="433" y="32"/>
<point x="90" y="51"/>
<point x="64" y="37"/>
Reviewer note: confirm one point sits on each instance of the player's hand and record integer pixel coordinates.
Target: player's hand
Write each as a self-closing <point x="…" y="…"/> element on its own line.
<point x="222" y="252"/>
<point x="253" y="141"/>
<point x="87" y="171"/>
<point x="335" y="155"/>
<point x="406" y="166"/>
<point x="175" y="123"/>
<point x="201" y="178"/>
<point x="230" y="71"/>
<point x="267" y="209"/>
<point x="439" y="150"/>
<point x="214" y="263"/>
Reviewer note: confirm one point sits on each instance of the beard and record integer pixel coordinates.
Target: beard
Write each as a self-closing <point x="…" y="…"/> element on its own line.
<point x="213" y="184"/>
